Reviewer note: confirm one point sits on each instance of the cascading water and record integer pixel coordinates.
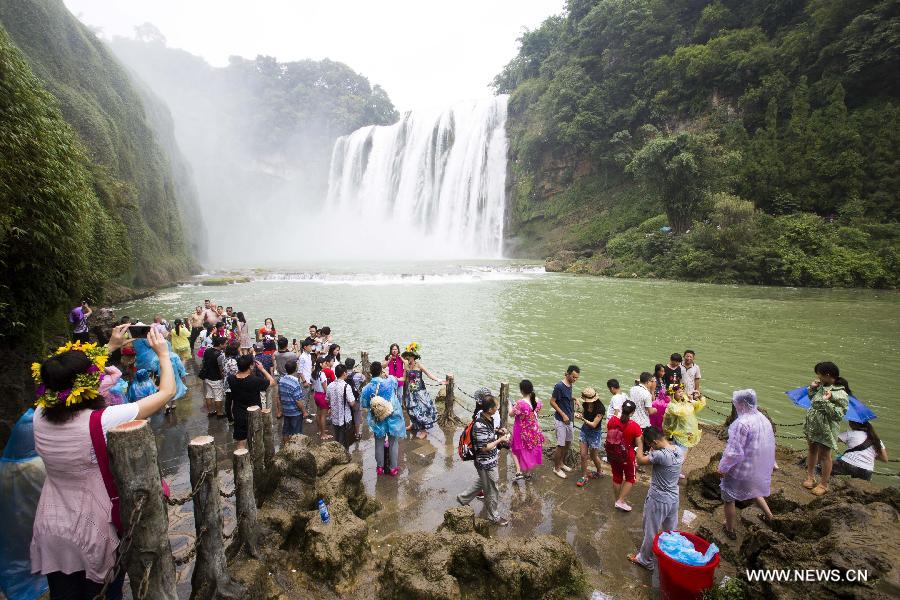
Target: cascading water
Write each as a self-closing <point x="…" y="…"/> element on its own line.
<point x="429" y="186"/>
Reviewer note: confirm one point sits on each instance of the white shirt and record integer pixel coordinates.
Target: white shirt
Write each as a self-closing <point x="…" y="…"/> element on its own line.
<point x="864" y="459"/>
<point x="304" y="367"/>
<point x="688" y="377"/>
<point x="615" y="405"/>
<point x="643" y="400"/>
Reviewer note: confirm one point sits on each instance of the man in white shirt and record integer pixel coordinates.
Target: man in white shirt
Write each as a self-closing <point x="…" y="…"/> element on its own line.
<point x="690" y="374"/>
<point x="304" y="374"/>
<point x="614" y="408"/>
<point x="642" y="396"/>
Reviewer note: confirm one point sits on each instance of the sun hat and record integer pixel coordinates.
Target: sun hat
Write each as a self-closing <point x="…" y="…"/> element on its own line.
<point x="588" y="394"/>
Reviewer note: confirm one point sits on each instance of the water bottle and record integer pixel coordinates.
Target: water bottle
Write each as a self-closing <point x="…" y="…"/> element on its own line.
<point x="323" y="512"/>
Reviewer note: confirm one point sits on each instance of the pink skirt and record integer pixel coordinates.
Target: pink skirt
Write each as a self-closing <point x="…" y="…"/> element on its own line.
<point x="528" y="458"/>
<point x="321" y="402"/>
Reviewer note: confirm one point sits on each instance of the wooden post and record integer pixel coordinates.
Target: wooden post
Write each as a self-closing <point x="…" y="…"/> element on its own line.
<point x="366" y="365"/>
<point x="210" y="578"/>
<point x="504" y="405"/>
<point x="268" y="438"/>
<point x="257" y="445"/>
<point x="449" y="417"/>
<point x="133" y="461"/>
<point x="245" y="503"/>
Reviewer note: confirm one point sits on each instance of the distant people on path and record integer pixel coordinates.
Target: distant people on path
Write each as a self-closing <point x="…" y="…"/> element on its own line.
<point x="181" y="340"/>
<point x="590" y="439"/>
<point x="304" y="374"/>
<point x="22" y="475"/>
<point x="385" y="418"/>
<point x="210" y="315"/>
<point x="486" y="442"/>
<point x="78" y="317"/>
<point x="561" y="401"/>
<point x="283" y="356"/>
<point x="230" y="368"/>
<point x="246" y="387"/>
<point x="357" y="381"/>
<point x="642" y="396"/>
<point x="245" y="341"/>
<point x="621" y="433"/>
<point x="681" y="423"/>
<point x="266" y="331"/>
<point x="195" y="322"/>
<point x="672" y="371"/>
<point x="830" y="398"/>
<point x="690" y="375"/>
<point x="340" y="404"/>
<point x="617" y="399"/>
<point x="289" y="402"/>
<point x="320" y="384"/>
<point x="527" y="441"/>
<point x="419" y="404"/>
<point x="212" y="372"/>
<point x="395" y="363"/>
<point x="661" y="504"/>
<point x="74" y="540"/>
<point x="748" y="460"/>
<point x="863" y="448"/>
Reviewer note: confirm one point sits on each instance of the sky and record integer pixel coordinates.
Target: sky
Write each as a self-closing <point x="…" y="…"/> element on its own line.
<point x="426" y="54"/>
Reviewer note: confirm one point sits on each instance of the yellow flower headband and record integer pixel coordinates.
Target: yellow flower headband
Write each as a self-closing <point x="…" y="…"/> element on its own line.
<point x="412" y="347"/>
<point x="86" y="385"/>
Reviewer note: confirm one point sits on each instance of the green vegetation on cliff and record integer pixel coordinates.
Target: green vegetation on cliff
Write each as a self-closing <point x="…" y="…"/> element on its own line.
<point x="731" y="141"/>
<point x="128" y="170"/>
<point x="56" y="240"/>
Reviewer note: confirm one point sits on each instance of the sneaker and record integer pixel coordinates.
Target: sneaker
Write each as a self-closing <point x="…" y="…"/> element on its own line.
<point x="379" y="471"/>
<point x="566" y="468"/>
<point x="480" y="495"/>
<point x="581" y="481"/>
<point x="623" y="506"/>
<point x="559" y="473"/>
<point x="520" y="476"/>
<point x="500" y="522"/>
<point x="394" y="471"/>
<point x="308" y="419"/>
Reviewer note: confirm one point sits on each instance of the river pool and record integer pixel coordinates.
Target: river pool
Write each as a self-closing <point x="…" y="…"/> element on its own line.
<point x="488" y="322"/>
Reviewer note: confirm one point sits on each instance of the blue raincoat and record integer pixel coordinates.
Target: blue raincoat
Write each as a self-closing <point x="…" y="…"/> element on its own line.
<point x="387" y="387"/>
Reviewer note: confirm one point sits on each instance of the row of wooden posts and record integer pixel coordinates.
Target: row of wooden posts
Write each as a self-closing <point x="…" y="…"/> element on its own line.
<point x="145" y="551"/>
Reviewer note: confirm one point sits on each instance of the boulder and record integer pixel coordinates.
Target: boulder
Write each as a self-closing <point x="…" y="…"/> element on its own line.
<point x="330" y="551"/>
<point x="702" y="488"/>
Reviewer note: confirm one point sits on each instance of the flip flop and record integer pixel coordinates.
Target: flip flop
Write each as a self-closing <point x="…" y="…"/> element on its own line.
<point x="809" y="484"/>
<point x="634" y="559"/>
<point x="731" y="534"/>
<point x="819" y="490"/>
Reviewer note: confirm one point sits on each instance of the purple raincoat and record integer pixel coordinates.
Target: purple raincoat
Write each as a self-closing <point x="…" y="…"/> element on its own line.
<point x="749" y="457"/>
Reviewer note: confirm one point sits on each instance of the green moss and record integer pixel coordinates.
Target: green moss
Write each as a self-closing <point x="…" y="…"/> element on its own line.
<point x="216" y="281"/>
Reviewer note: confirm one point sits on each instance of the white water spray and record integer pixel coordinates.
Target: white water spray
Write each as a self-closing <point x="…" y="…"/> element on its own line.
<point x="433" y="184"/>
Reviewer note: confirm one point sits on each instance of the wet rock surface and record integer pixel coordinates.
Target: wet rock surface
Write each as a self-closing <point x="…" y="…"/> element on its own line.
<point x="459" y="561"/>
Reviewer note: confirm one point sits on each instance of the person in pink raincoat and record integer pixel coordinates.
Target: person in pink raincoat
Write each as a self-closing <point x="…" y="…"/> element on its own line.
<point x="527" y="441"/>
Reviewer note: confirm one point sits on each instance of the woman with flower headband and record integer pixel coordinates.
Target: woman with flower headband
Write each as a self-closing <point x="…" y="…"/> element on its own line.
<point x="74" y="540"/>
<point x="419" y="405"/>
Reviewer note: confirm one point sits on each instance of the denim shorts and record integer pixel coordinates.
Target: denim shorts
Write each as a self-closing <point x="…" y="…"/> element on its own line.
<point x="292" y="425"/>
<point x="593" y="438"/>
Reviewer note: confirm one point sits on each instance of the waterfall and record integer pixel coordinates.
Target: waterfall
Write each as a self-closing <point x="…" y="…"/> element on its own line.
<point x="432" y="185"/>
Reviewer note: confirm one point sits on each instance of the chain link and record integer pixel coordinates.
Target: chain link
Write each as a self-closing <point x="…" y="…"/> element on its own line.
<point x="182" y="501"/>
<point x="190" y="554"/>
<point x="228" y="494"/>
<point x="801" y="424"/>
<point x="124" y="546"/>
<point x="145" y="582"/>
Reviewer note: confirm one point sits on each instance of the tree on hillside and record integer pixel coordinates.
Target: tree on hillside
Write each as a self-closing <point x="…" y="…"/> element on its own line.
<point x="680" y="169"/>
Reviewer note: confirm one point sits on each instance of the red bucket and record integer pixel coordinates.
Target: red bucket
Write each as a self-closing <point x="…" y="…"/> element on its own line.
<point x="678" y="581"/>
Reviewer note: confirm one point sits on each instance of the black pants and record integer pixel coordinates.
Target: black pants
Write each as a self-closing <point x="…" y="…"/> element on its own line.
<point x="345" y="435"/>
<point x="228" y="406"/>
<point x="841" y="468"/>
<point x="75" y="586"/>
<point x="195" y="333"/>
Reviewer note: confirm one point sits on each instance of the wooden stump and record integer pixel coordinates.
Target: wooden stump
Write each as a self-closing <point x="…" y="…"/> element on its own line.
<point x="504" y="405"/>
<point x="366" y="365"/>
<point x="268" y="438"/>
<point x="449" y="418"/>
<point x="245" y="504"/>
<point x="133" y="461"/>
<point x="257" y="445"/>
<point x="210" y="578"/>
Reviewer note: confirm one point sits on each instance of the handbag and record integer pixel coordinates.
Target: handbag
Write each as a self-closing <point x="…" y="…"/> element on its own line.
<point x="381" y="408"/>
<point x="98" y="441"/>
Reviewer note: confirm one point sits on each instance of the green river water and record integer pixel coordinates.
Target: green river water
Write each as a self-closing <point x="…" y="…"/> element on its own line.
<point x="488" y="322"/>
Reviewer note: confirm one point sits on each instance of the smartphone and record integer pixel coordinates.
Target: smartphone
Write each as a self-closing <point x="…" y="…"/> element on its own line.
<point x="138" y="331"/>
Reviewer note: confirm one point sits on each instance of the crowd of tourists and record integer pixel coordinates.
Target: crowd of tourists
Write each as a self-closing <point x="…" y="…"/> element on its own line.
<point x="55" y="475"/>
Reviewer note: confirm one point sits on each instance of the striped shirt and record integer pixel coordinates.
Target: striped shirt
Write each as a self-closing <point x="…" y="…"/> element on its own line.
<point x="483" y="434"/>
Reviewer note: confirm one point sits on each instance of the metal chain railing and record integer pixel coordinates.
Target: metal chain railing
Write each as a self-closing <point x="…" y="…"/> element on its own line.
<point x="193" y="492"/>
<point x="192" y="552"/>
<point x="145" y="582"/>
<point x="228" y="494"/>
<point x="124" y="546"/>
<point x="708" y="397"/>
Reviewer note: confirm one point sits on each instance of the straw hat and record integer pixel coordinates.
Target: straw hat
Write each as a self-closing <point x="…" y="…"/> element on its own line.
<point x="588" y="394"/>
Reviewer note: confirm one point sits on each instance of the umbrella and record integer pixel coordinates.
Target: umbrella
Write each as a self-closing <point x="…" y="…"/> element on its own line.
<point x="856" y="411"/>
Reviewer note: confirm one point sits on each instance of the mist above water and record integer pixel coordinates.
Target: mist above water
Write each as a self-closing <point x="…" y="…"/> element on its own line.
<point x="432" y="185"/>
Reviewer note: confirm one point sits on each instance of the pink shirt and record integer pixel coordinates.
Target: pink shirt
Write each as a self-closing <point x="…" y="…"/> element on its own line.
<point x="395" y="368"/>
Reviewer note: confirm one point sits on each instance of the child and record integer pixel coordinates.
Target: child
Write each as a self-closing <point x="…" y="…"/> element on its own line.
<point x="621" y="432"/>
<point x="527" y="442"/>
<point x="830" y="397"/>
<point x="289" y="402"/>
<point x="591" y="430"/>
<point x="614" y="409"/>
<point x="863" y="449"/>
<point x="661" y="505"/>
<point x="660" y="403"/>
<point x="141" y="387"/>
<point x="680" y="422"/>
